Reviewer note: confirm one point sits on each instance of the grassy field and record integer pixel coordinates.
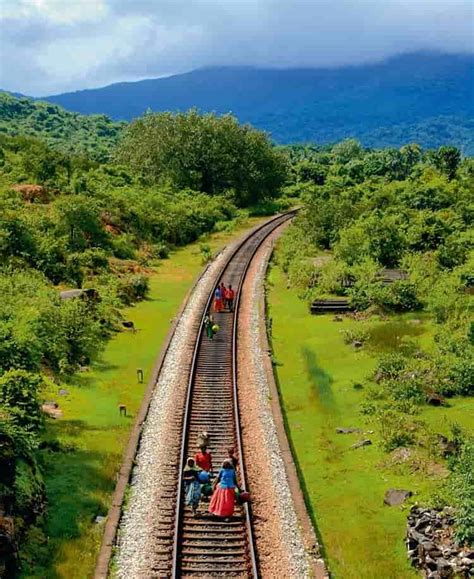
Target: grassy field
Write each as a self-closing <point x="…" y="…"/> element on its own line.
<point x="81" y="477"/>
<point x="344" y="488"/>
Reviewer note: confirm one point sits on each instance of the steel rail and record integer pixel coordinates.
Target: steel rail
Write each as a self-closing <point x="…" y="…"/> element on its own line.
<point x="266" y="229"/>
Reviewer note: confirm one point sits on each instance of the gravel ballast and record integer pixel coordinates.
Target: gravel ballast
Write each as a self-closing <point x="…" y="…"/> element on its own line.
<point x="158" y="455"/>
<point x="283" y="549"/>
<point x="281" y="542"/>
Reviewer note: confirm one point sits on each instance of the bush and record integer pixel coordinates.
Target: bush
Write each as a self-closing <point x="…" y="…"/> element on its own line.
<point x="461" y="376"/>
<point x="459" y="492"/>
<point x="19" y="394"/>
<point x="390" y="366"/>
<point x="404" y="388"/>
<point x="133" y="288"/>
<point x="206" y="253"/>
<point x="394" y="430"/>
<point x="355" y="335"/>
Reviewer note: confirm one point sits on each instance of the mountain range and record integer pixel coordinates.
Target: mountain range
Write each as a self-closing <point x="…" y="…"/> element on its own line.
<point x="423" y="97"/>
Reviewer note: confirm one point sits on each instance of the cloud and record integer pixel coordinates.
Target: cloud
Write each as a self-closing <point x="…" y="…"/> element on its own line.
<point x="56" y="45"/>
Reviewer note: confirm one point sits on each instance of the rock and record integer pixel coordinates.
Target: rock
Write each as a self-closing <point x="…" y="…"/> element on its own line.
<point x="349" y="430"/>
<point x="401" y="455"/>
<point x="52" y="410"/>
<point x="99" y="519"/>
<point x="63" y="392"/>
<point x="365" y="442"/>
<point x="435" y="399"/>
<point x="357" y="344"/>
<point x="446" y="446"/>
<point x="337" y="319"/>
<point x="394" y="497"/>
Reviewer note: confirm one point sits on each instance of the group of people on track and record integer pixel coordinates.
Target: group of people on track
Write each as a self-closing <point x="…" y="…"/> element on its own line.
<point x="223" y="301"/>
<point x="202" y="483"/>
<point x="224" y="298"/>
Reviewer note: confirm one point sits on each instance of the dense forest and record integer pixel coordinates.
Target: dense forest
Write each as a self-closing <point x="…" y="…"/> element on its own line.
<point x="408" y="211"/>
<point x="87" y="203"/>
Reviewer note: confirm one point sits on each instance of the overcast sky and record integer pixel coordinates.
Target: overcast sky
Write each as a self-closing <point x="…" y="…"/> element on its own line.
<point x="51" y="46"/>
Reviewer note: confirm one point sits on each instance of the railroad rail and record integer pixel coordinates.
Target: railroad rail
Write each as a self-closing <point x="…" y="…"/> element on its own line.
<point x="206" y="546"/>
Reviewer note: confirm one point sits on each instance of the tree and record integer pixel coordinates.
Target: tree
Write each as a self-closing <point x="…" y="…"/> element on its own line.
<point x="446" y="159"/>
<point x="205" y="153"/>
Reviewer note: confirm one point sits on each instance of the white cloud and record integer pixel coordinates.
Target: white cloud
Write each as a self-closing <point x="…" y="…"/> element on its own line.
<point x="55" y="45"/>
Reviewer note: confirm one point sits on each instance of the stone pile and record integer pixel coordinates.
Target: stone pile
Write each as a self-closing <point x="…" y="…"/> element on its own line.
<point x="431" y="546"/>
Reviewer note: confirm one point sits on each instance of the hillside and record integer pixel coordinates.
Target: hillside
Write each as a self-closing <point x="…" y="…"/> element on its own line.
<point x="423" y="97"/>
<point x="95" y="134"/>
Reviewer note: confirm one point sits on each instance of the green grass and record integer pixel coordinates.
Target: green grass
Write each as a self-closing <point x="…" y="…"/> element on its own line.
<point x="344" y="488"/>
<point x="81" y="478"/>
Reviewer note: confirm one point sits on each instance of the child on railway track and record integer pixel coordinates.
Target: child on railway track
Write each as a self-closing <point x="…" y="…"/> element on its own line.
<point x="209" y="326"/>
<point x="203" y="459"/>
<point x="192" y="486"/>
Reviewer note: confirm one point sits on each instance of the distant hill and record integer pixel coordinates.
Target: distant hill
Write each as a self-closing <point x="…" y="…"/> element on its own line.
<point x="95" y="134"/>
<point x="424" y="97"/>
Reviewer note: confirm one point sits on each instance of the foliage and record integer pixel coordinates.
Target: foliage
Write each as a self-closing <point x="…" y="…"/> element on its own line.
<point x="95" y="135"/>
<point x="458" y="491"/>
<point x="19" y="394"/>
<point x="203" y="152"/>
<point x="394" y="429"/>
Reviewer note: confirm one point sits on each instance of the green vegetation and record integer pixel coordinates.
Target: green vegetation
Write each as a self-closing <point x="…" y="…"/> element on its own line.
<point x="204" y="152"/>
<point x="70" y="219"/>
<point x="408" y="347"/>
<point x="81" y="453"/>
<point x="324" y="384"/>
<point x="95" y="135"/>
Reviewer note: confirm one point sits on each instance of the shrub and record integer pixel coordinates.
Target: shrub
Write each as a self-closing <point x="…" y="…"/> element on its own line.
<point x="461" y="376"/>
<point x="206" y="253"/>
<point x="459" y="491"/>
<point x="390" y="366"/>
<point x="19" y="394"/>
<point x="355" y="335"/>
<point x="133" y="287"/>
<point x="394" y="430"/>
<point x="405" y="388"/>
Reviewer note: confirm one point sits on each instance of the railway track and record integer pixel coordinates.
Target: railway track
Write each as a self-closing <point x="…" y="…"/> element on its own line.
<point x="204" y="546"/>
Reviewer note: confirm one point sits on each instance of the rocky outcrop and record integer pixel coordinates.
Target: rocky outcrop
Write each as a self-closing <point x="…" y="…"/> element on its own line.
<point x="431" y="546"/>
<point x="395" y="497"/>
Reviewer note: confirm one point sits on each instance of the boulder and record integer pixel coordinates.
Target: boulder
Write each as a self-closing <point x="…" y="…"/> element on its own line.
<point x="361" y="443"/>
<point x="394" y="497"/>
<point x="52" y="410"/>
<point x="435" y="399"/>
<point x="349" y="430"/>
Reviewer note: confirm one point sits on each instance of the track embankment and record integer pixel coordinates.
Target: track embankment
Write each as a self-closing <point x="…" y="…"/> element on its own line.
<point x="202" y="385"/>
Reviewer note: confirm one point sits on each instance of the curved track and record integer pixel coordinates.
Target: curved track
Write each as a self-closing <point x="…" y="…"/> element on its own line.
<point x="205" y="546"/>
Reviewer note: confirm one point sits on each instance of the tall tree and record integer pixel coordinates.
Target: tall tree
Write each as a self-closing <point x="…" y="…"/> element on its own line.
<point x="205" y="153"/>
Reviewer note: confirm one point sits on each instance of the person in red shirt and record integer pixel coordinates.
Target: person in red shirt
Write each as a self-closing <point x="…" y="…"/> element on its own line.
<point x="229" y="298"/>
<point x="203" y="459"/>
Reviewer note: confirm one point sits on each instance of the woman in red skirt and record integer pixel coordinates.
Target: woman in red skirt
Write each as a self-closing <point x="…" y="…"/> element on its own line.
<point x="223" y="499"/>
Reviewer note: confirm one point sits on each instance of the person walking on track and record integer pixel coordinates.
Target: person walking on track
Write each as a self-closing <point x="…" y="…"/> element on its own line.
<point x="218" y="297"/>
<point x="229" y="298"/>
<point x="203" y="459"/>
<point x="223" y="499"/>
<point x="192" y="486"/>
<point x="209" y="326"/>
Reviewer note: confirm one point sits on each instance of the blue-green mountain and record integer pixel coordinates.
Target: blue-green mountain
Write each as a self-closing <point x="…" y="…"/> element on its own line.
<point x="427" y="98"/>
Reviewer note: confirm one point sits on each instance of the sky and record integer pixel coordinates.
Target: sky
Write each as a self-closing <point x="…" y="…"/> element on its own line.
<point x="53" y="46"/>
